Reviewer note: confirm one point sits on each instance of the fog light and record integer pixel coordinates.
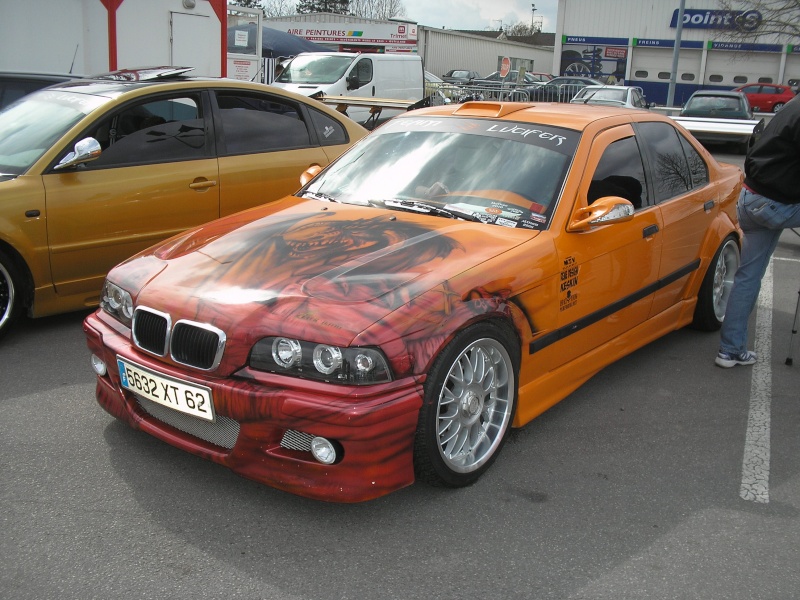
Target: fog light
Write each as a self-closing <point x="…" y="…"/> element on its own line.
<point x="98" y="366"/>
<point x="323" y="450"/>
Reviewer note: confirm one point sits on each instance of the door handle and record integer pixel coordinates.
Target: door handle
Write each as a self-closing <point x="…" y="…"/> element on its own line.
<point x="649" y="230"/>
<point x="202" y="184"/>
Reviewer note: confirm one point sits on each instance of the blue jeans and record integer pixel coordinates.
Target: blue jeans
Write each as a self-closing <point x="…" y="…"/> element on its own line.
<point x="762" y="220"/>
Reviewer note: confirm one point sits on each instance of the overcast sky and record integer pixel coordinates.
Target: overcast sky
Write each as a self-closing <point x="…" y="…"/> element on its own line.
<point x="480" y="14"/>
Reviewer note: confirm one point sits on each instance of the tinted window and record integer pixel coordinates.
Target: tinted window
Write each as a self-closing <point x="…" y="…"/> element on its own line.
<point x="329" y="131"/>
<point x="620" y="173"/>
<point x="254" y="123"/>
<point x="671" y="173"/>
<point x="166" y="130"/>
<point x="11" y="91"/>
<point x="697" y="166"/>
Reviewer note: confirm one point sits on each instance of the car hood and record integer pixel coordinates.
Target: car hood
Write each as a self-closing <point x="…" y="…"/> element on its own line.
<point x="301" y="267"/>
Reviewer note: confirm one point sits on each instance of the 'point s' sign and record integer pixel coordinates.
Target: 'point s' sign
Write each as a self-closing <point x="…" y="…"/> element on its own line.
<point x="748" y="20"/>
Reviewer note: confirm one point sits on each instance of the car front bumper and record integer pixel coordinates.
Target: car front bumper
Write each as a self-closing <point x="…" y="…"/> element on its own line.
<point x="264" y="421"/>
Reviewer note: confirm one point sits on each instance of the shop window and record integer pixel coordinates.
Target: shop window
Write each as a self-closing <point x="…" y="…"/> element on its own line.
<point x="765" y="80"/>
<point x="641" y="74"/>
<point x="664" y="75"/>
<point x="687" y="76"/>
<point x="718" y="79"/>
<point x="740" y="79"/>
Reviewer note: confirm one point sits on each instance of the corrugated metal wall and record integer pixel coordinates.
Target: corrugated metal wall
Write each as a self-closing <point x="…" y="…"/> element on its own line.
<point x="443" y="50"/>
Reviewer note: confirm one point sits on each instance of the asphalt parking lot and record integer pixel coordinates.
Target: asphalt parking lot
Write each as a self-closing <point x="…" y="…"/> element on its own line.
<point x="663" y="477"/>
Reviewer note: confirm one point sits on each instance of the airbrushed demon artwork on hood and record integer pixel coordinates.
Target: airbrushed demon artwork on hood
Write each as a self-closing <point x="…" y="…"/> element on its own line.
<point x="451" y="276"/>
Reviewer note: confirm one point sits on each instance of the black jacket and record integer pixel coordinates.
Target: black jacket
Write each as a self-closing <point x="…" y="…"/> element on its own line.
<point x="772" y="166"/>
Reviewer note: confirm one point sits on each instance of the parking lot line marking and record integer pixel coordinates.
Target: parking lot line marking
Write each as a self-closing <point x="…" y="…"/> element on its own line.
<point x="755" y="464"/>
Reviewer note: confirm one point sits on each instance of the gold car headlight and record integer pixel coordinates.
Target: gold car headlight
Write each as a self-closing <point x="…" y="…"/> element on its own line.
<point x="321" y="362"/>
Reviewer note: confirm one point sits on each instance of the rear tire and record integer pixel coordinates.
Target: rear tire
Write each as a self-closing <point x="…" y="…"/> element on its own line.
<point x="716" y="287"/>
<point x="10" y="293"/>
<point x="469" y="405"/>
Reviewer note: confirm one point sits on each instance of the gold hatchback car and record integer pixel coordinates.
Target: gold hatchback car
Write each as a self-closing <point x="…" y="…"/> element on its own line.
<point x="94" y="170"/>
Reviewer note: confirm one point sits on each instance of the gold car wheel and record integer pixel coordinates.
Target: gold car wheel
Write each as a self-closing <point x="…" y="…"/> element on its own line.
<point x="9" y="297"/>
<point x="469" y="406"/>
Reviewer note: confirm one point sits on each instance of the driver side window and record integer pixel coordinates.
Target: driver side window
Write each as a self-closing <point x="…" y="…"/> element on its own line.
<point x="620" y="173"/>
<point x="168" y="129"/>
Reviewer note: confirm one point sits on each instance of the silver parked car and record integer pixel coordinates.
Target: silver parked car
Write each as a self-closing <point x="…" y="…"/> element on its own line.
<point x="612" y="95"/>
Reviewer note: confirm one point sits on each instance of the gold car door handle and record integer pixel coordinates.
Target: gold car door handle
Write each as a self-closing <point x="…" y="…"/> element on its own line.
<point x="202" y="184"/>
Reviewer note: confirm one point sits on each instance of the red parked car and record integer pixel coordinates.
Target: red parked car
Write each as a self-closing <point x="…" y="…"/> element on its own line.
<point x="766" y="97"/>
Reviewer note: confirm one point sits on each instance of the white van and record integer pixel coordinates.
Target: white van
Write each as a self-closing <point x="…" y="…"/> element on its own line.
<point x="385" y="76"/>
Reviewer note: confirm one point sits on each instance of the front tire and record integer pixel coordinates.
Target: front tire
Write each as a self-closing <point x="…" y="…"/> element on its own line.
<point x="777" y="106"/>
<point x="716" y="287"/>
<point x="10" y="293"/>
<point x="469" y="404"/>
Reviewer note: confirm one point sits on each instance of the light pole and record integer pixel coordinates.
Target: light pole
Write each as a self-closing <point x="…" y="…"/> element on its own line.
<point x="533" y="12"/>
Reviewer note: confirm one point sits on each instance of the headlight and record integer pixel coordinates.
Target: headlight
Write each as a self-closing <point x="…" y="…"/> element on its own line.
<point x="117" y="302"/>
<point x="322" y="362"/>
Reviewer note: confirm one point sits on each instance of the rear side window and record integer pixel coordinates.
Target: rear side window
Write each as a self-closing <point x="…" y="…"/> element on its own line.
<point x="329" y="131"/>
<point x="254" y="123"/>
<point x="674" y="173"/>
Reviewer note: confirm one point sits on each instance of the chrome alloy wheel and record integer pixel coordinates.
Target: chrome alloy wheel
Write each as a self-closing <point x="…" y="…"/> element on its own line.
<point x="475" y="405"/>
<point x="725" y="269"/>
<point x="6" y="295"/>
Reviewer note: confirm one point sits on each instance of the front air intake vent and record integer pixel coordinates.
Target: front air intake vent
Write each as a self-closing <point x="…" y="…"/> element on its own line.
<point x="197" y="345"/>
<point x="151" y="331"/>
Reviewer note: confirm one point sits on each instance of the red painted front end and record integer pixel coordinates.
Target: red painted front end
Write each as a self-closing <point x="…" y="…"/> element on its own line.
<point x="374" y="425"/>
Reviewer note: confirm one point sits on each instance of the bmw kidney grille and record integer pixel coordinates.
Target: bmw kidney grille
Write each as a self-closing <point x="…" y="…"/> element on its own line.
<point x="197" y="345"/>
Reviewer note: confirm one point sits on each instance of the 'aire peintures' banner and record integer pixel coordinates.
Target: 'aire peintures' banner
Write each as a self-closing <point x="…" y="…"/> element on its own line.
<point x="390" y="36"/>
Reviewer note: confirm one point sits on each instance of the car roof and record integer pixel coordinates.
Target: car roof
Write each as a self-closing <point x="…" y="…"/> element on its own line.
<point x="38" y="76"/>
<point x="571" y="116"/>
<point x="727" y="93"/>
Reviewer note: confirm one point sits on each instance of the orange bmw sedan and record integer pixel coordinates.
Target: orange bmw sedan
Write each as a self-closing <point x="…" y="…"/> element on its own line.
<point x="95" y="170"/>
<point x="455" y="274"/>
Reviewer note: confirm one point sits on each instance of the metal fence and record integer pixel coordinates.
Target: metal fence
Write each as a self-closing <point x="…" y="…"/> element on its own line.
<point x="448" y="93"/>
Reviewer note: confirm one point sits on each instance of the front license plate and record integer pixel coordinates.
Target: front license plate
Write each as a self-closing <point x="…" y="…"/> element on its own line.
<point x="185" y="397"/>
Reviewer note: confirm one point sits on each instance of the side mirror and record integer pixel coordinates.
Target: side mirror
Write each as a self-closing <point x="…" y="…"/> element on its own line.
<point x="604" y="211"/>
<point x="309" y="174"/>
<point x="85" y="150"/>
<point x="352" y="81"/>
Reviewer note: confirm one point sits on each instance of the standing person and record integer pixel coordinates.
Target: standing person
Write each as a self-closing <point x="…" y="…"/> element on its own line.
<point x="768" y="204"/>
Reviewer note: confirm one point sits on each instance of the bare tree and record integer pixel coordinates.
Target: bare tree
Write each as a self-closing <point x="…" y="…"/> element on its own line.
<point x="780" y="18"/>
<point x="377" y="9"/>
<point x="522" y="29"/>
<point x="246" y="3"/>
<point x="279" y="8"/>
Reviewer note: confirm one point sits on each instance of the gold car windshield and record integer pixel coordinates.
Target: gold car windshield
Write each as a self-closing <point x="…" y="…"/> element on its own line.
<point x="497" y="172"/>
<point x="30" y="126"/>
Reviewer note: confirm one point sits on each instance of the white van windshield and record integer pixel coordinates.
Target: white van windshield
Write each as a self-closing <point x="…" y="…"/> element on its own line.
<point x="315" y="69"/>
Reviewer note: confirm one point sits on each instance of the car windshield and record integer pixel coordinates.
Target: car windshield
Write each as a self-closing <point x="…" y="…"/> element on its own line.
<point x="315" y="69"/>
<point x="714" y="103"/>
<point x="30" y="126"/>
<point x="614" y="94"/>
<point x="497" y="172"/>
